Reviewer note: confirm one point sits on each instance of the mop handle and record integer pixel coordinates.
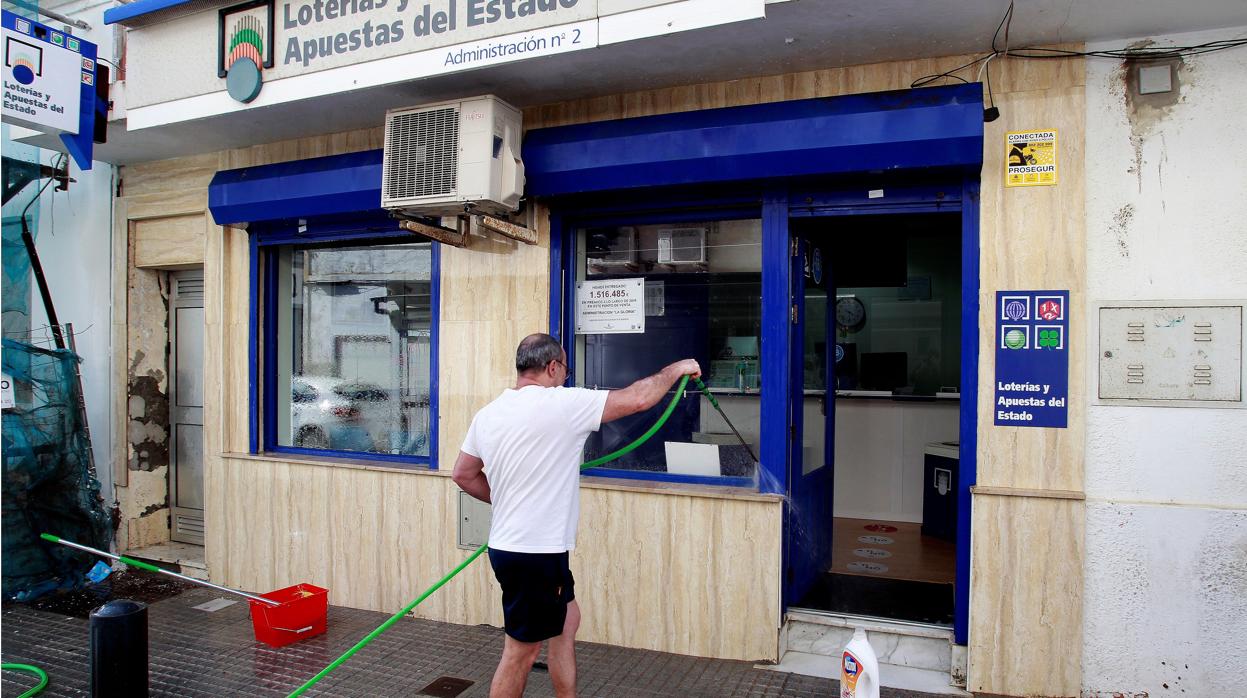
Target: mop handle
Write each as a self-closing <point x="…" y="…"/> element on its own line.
<point x="723" y="414"/>
<point x="679" y="392"/>
<point x="152" y="568"/>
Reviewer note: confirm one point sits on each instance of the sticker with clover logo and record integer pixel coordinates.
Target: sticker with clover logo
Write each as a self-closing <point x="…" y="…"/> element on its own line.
<point x="1049" y="337"/>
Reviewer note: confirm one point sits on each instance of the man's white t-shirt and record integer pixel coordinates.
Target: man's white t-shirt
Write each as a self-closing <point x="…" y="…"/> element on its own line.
<point x="531" y="441"/>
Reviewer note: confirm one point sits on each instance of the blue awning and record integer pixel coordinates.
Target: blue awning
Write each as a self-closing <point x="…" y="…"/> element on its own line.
<point x="297" y="189"/>
<point x="907" y="129"/>
<point x="929" y="127"/>
<point x="143" y="12"/>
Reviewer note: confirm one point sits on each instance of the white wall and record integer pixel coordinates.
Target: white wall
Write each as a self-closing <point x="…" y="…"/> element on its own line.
<point x="880" y="454"/>
<point x="1165" y="602"/>
<point x="75" y="247"/>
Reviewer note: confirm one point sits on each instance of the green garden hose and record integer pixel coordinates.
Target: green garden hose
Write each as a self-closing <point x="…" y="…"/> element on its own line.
<point x="29" y="668"/>
<point x="666" y="414"/>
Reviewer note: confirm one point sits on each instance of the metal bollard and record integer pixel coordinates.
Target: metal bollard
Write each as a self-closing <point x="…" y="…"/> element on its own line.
<point x="119" y="649"/>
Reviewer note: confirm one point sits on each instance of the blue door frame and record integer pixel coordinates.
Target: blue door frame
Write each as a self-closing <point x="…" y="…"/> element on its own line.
<point x="957" y="194"/>
<point x="807" y="514"/>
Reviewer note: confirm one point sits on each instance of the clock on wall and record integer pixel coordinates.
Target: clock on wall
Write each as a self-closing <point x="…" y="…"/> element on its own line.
<point x="850" y="313"/>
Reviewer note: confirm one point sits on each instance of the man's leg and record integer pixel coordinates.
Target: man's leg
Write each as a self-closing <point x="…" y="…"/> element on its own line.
<point x="561" y="654"/>
<point x="512" y="673"/>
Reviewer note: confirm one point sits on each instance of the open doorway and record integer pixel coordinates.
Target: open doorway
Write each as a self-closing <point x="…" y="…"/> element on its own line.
<point x="880" y="344"/>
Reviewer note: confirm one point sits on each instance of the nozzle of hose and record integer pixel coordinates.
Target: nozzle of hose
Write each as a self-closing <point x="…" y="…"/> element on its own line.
<point x="710" y="396"/>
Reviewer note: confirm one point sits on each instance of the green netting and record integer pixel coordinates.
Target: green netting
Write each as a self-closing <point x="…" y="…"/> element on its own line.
<point x="48" y="482"/>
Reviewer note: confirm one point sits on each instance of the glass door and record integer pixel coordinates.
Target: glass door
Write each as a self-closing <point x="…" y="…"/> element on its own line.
<point x="812" y="420"/>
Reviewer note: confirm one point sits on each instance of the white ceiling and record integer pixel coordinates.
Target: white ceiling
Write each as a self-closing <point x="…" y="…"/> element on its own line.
<point x="795" y="35"/>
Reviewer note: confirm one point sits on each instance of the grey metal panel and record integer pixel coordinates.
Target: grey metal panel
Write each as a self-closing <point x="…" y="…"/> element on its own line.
<point x="474" y="520"/>
<point x="186" y="389"/>
<point x="188" y="483"/>
<point x="188" y="357"/>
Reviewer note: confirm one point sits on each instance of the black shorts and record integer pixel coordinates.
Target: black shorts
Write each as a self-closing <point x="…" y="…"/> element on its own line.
<point x="536" y="588"/>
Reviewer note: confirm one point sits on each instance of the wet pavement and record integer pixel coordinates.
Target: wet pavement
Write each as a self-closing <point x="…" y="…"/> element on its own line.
<point x="200" y="653"/>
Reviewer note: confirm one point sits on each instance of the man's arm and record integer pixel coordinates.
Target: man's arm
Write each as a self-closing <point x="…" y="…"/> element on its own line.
<point x="469" y="475"/>
<point x="646" y="393"/>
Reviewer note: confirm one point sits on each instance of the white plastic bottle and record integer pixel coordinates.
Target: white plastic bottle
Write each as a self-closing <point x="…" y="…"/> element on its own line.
<point x="859" y="668"/>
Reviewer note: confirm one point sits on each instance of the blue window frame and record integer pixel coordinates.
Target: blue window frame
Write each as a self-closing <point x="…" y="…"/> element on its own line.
<point x="569" y="262"/>
<point x="344" y="340"/>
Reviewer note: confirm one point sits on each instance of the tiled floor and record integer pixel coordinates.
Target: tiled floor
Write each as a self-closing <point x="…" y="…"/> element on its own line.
<point x="200" y="653"/>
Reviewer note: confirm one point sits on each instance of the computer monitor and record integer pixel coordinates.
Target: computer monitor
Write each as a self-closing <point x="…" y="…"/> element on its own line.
<point x="884" y="370"/>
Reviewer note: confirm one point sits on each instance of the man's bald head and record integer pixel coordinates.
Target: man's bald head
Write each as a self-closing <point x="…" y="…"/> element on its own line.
<point x="536" y="351"/>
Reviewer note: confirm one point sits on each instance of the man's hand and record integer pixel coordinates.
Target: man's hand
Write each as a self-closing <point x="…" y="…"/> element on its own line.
<point x="687" y="367"/>
<point x="646" y="393"/>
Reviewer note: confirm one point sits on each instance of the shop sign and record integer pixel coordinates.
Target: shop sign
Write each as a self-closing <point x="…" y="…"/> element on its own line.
<point x="45" y="71"/>
<point x="610" y="306"/>
<point x="315" y="48"/>
<point x="245" y="47"/>
<point x="7" y="401"/>
<point x="313" y="33"/>
<point x="1030" y="158"/>
<point x="1032" y="359"/>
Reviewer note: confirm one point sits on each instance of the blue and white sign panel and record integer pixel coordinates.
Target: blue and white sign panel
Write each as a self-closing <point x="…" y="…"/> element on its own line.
<point x="49" y="83"/>
<point x="46" y="73"/>
<point x="1032" y="359"/>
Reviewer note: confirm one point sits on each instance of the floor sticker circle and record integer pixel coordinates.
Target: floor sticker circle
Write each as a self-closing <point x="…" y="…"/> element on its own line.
<point x="876" y="553"/>
<point x="875" y="540"/>
<point x="880" y="528"/>
<point x="867" y="567"/>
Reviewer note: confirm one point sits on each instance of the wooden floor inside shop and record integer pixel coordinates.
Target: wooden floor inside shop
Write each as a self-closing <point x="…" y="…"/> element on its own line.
<point x="891" y="550"/>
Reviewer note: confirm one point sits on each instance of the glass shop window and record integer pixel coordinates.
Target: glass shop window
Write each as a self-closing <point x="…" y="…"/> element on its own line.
<point x="896" y="312"/>
<point x="353" y="348"/>
<point x="702" y="285"/>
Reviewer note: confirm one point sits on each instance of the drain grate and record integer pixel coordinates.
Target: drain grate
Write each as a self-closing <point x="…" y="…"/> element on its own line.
<point x="446" y="687"/>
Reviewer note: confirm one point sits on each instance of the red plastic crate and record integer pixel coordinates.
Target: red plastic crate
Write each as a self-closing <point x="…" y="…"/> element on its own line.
<point x="302" y="613"/>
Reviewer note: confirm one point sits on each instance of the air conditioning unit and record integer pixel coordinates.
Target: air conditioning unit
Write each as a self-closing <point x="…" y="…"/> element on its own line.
<point x="681" y="245"/>
<point x="442" y="159"/>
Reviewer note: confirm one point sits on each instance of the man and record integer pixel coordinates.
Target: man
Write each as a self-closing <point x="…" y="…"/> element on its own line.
<point x="522" y="453"/>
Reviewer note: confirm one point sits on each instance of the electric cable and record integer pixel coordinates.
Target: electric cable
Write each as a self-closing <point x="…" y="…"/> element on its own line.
<point x="666" y="414"/>
<point x="1141" y="53"/>
<point x="38" y="194"/>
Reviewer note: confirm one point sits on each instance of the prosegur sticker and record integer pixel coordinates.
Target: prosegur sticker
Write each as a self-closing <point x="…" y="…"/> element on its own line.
<point x="1030" y="158"/>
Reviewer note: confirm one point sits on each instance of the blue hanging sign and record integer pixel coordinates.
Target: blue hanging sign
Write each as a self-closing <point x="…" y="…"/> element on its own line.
<point x="1032" y="359"/>
<point x="49" y="83"/>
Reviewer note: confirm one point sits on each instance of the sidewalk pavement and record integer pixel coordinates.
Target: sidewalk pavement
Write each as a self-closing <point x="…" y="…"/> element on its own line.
<point x="200" y="653"/>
